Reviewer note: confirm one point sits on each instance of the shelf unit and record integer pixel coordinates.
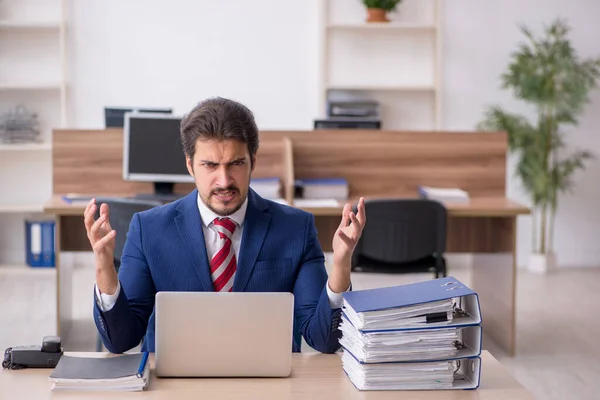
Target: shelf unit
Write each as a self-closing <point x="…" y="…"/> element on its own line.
<point x="30" y="25"/>
<point x="33" y="74"/>
<point x="4" y="147"/>
<point x="397" y="63"/>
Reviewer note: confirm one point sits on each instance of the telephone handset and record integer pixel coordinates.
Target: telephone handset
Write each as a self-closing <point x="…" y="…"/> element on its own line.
<point x="34" y="356"/>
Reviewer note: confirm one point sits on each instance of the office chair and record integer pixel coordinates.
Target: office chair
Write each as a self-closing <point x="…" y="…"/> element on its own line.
<point x="402" y="236"/>
<point x="121" y="211"/>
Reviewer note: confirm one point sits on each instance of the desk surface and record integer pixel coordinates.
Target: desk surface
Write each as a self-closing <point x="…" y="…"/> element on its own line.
<point x="314" y="376"/>
<point x="476" y="207"/>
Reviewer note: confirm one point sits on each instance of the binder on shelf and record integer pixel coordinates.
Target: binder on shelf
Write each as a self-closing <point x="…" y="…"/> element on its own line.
<point x="269" y="188"/>
<point x="323" y="188"/>
<point x="39" y="243"/>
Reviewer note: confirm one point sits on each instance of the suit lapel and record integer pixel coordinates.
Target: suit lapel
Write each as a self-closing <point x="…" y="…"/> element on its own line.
<point x="189" y="226"/>
<point x="256" y="226"/>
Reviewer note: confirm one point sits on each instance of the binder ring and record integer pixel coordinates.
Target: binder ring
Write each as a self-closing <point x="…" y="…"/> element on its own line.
<point x="448" y="283"/>
<point x="455" y="287"/>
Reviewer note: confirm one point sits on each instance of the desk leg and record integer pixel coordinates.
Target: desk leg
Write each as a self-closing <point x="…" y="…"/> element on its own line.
<point x="326" y="227"/>
<point x="494" y="276"/>
<point x="64" y="286"/>
<point x="70" y="236"/>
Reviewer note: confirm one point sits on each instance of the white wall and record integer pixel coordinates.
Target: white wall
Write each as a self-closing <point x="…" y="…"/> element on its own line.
<point x="263" y="53"/>
<point x="157" y="53"/>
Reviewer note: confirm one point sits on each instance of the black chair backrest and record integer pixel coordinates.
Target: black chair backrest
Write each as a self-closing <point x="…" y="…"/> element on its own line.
<point x="403" y="230"/>
<point x="121" y="212"/>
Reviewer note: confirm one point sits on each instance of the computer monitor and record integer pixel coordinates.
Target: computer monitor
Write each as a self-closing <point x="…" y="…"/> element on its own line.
<point x="114" y="117"/>
<point x="152" y="151"/>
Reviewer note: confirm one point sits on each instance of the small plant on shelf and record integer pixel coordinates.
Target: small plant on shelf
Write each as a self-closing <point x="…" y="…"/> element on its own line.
<point x="377" y="9"/>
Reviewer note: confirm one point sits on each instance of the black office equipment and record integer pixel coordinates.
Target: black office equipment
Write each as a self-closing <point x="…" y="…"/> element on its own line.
<point x="353" y="108"/>
<point x="350" y="114"/>
<point x="402" y="235"/>
<point x="114" y="117"/>
<point x="152" y="152"/>
<point x="347" y="123"/>
<point x="33" y="356"/>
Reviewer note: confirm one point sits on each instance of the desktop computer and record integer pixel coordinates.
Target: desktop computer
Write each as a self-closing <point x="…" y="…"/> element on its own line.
<point x="152" y="152"/>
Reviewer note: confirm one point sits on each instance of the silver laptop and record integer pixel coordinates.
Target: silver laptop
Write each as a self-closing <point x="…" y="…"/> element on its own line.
<point x="211" y="334"/>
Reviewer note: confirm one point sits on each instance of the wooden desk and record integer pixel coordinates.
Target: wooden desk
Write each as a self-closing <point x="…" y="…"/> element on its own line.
<point x="375" y="163"/>
<point x="314" y="376"/>
<point x="486" y="227"/>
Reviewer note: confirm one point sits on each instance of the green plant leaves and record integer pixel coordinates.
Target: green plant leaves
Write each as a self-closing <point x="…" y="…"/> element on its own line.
<point x="387" y="5"/>
<point x="547" y="73"/>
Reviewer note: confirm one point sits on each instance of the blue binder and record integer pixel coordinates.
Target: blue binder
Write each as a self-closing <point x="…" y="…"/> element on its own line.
<point x="39" y="243"/>
<point x="387" y="298"/>
<point x="399" y="305"/>
<point x="466" y="377"/>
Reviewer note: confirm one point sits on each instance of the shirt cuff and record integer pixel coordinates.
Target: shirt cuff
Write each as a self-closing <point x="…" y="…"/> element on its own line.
<point x="335" y="299"/>
<point x="107" y="301"/>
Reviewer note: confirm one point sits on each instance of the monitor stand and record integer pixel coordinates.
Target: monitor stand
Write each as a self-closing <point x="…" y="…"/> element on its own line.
<point x="163" y="191"/>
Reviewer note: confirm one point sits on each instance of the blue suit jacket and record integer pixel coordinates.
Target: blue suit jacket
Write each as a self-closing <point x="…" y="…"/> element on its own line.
<point x="165" y="251"/>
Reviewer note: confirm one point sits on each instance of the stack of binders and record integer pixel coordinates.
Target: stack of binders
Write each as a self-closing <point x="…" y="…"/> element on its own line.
<point x="422" y="336"/>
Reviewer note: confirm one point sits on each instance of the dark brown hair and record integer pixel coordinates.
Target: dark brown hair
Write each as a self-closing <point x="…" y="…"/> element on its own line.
<point x="219" y="119"/>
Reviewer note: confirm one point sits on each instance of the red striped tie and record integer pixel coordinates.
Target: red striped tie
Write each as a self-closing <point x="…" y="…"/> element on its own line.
<point x="223" y="264"/>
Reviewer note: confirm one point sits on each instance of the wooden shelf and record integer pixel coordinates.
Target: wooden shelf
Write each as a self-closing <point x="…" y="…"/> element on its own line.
<point x="405" y="88"/>
<point x="21" y="208"/>
<point x="25" y="269"/>
<point x="31" y="85"/>
<point x="25" y="147"/>
<point x="379" y="26"/>
<point x="30" y="25"/>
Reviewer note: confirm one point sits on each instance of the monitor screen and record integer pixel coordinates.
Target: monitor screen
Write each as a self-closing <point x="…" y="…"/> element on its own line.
<point x="114" y="117"/>
<point x="152" y="149"/>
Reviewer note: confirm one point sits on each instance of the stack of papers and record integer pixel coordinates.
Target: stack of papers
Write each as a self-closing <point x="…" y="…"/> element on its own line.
<point x="129" y="372"/>
<point x="394" y="346"/>
<point x="424" y="335"/>
<point x="444" y="195"/>
<point x="268" y="188"/>
<point x="336" y="188"/>
<point x="399" y="376"/>
<point x="419" y="315"/>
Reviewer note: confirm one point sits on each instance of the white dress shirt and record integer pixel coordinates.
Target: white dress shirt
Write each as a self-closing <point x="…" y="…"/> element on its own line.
<point x="212" y="242"/>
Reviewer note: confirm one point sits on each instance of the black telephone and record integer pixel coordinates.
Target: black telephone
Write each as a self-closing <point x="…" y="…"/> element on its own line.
<point x="34" y="356"/>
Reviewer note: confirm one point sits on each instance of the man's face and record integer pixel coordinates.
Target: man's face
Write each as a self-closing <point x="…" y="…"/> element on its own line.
<point x="221" y="171"/>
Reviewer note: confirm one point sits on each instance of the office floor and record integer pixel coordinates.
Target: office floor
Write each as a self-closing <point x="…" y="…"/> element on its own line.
<point x="557" y="340"/>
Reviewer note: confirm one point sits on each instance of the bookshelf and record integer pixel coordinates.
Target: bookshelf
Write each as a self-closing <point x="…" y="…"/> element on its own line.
<point x="32" y="74"/>
<point x="397" y="63"/>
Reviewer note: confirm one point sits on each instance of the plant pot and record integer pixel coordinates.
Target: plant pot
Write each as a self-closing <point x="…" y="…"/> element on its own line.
<point x="542" y="263"/>
<point x="377" y="15"/>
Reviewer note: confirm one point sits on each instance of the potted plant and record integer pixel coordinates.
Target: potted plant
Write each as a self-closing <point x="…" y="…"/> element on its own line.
<point x="377" y="9"/>
<point x="548" y="74"/>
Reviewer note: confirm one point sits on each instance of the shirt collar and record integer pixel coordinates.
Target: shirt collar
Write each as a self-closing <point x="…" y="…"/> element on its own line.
<point x="208" y="216"/>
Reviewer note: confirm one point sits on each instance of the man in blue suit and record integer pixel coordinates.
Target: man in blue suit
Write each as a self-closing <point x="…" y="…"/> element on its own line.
<point x="221" y="237"/>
